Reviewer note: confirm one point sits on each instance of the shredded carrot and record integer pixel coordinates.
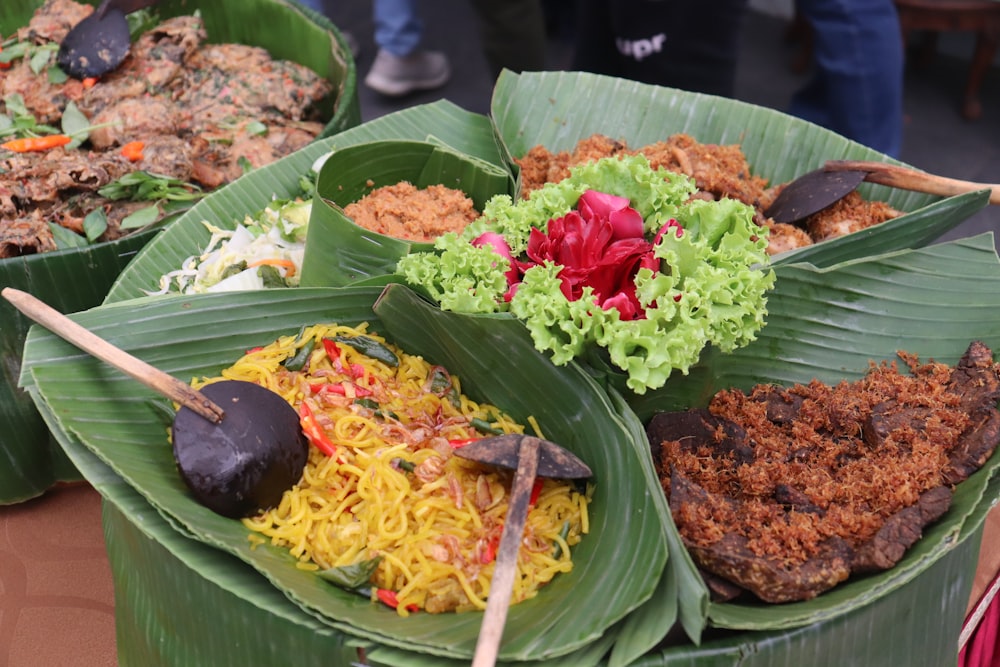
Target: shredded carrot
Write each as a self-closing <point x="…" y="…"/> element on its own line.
<point x="89" y="82"/>
<point x="287" y="263"/>
<point x="36" y="143"/>
<point x="132" y="151"/>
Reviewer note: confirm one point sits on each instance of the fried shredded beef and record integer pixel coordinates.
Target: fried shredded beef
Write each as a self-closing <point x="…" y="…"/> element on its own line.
<point x="204" y="112"/>
<point x="786" y="492"/>
<point x="718" y="171"/>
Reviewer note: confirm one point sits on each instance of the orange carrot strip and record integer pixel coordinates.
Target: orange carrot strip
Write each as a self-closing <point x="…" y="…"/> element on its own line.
<point x="287" y="263"/>
<point x="89" y="82"/>
<point x="132" y="151"/>
<point x="36" y="143"/>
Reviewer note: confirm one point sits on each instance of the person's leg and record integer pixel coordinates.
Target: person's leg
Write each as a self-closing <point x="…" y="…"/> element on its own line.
<point x="400" y="66"/>
<point x="398" y="27"/>
<point x="857" y="89"/>
<point x="687" y="44"/>
<point x="512" y="33"/>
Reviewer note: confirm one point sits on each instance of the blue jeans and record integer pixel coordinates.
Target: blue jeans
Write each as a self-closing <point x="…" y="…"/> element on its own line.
<point x="857" y="88"/>
<point x="398" y="28"/>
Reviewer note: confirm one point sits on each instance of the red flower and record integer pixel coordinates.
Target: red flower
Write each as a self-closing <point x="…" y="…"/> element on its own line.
<point x="601" y="245"/>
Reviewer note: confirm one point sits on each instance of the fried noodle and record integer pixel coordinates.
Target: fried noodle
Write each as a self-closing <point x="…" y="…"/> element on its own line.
<point x="393" y="490"/>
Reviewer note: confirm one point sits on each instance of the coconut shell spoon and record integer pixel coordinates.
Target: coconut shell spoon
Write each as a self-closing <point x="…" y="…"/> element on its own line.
<point x="814" y="191"/>
<point x="99" y="43"/>
<point x="238" y="446"/>
<point x="530" y="457"/>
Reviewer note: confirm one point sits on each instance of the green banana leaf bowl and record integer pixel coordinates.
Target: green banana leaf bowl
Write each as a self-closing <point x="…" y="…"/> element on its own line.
<point x="618" y="562"/>
<point x="340" y="252"/>
<point x="79" y="278"/>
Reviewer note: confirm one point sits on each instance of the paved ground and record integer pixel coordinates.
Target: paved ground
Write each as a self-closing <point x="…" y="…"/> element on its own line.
<point x="937" y="139"/>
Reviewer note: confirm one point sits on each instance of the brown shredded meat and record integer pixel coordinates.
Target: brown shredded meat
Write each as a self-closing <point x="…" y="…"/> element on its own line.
<point x="787" y="492"/>
<point x="198" y="108"/>
<point x="404" y="211"/>
<point x="718" y="171"/>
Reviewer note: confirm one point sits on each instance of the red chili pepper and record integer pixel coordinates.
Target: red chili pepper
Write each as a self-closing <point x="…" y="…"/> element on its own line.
<point x="536" y="491"/>
<point x="254" y="349"/>
<point x="6" y="65"/>
<point x="489" y="553"/>
<point x="333" y="351"/>
<point x="461" y="442"/>
<point x="132" y="151"/>
<point x="314" y="432"/>
<point x="89" y="82"/>
<point x="389" y="599"/>
<point x="339" y="388"/>
<point x="29" y="144"/>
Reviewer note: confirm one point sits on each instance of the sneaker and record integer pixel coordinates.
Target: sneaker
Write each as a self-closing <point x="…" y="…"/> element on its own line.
<point x="352" y="43"/>
<point x="421" y="70"/>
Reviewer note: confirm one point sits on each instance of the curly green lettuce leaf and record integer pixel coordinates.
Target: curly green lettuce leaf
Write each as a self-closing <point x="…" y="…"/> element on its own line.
<point x="459" y="276"/>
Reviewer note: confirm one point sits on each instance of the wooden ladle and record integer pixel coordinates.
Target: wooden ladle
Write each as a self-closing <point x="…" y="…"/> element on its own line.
<point x="814" y="191"/>
<point x="530" y="457"/>
<point x="238" y="446"/>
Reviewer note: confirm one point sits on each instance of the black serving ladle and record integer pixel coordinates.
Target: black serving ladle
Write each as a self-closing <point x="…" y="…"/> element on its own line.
<point x="238" y="446"/>
<point x="99" y="43"/>
<point x="530" y="457"/>
<point x="814" y="191"/>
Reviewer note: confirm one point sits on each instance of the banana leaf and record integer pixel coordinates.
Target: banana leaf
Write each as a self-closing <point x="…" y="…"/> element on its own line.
<point x="557" y="109"/>
<point x="161" y="624"/>
<point x="30" y="461"/>
<point x="76" y="279"/>
<point x="618" y="563"/>
<point x="916" y="625"/>
<point x="339" y="252"/>
<point x="828" y="324"/>
<point x="441" y="122"/>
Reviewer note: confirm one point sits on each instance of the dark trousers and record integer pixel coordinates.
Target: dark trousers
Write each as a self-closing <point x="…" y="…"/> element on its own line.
<point x="687" y="44"/>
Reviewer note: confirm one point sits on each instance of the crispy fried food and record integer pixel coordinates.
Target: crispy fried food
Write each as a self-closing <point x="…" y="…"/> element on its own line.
<point x="198" y="108"/>
<point x="788" y="491"/>
<point x="404" y="211"/>
<point x="718" y="171"/>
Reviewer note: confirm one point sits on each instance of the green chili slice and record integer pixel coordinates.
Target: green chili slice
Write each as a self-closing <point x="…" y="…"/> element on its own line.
<point x="564" y="533"/>
<point x="403" y="464"/>
<point x="297" y="361"/>
<point x="484" y="426"/>
<point x="370" y="347"/>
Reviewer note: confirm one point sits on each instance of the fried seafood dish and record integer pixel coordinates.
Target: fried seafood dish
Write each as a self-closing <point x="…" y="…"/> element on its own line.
<point x="718" y="171"/>
<point x="193" y="115"/>
<point x="786" y="492"/>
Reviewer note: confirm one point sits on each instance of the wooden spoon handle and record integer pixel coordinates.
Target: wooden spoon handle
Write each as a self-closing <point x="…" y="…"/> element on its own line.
<point x="502" y="583"/>
<point x="912" y="179"/>
<point x="155" y="379"/>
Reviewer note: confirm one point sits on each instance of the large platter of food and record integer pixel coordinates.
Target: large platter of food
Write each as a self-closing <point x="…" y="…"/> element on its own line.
<point x="861" y="301"/>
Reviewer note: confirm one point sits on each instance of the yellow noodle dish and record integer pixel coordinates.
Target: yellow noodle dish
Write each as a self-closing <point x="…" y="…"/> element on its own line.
<point x="384" y="507"/>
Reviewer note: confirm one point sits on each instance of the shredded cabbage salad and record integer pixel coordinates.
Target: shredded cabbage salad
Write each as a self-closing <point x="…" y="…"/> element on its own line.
<point x="710" y="288"/>
<point x="265" y="250"/>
